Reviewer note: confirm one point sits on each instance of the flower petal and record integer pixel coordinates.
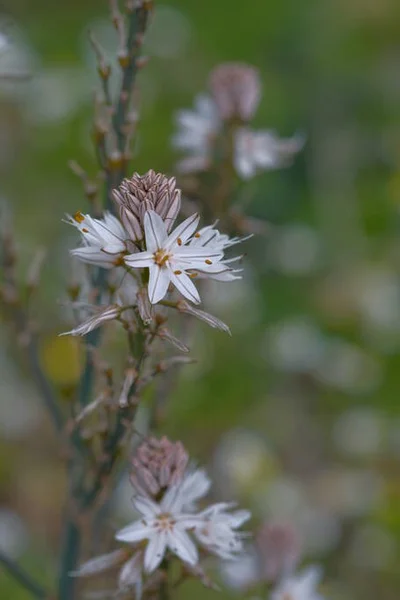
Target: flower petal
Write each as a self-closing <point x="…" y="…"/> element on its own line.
<point x="94" y="256"/>
<point x="145" y="506"/>
<point x="184" y="284"/>
<point x="183" y="231"/>
<point x="181" y="544"/>
<point x="158" y="283"/>
<point x="155" y="551"/>
<point x="140" y="259"/>
<point x="155" y="231"/>
<point x="135" y="532"/>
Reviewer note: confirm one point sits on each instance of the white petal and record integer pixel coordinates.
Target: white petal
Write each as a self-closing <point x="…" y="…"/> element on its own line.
<point x="94" y="256"/>
<point x="145" y="506"/>
<point x="113" y="248"/>
<point x="155" y="551"/>
<point x="182" y="545"/>
<point x="155" y="231"/>
<point x="239" y="517"/>
<point x="195" y="486"/>
<point x="135" y="532"/>
<point x="140" y="259"/>
<point x="183" y="231"/>
<point x="184" y="284"/>
<point x="158" y="283"/>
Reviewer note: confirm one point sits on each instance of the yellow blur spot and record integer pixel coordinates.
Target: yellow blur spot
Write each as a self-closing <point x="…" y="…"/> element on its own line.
<point x="62" y="360"/>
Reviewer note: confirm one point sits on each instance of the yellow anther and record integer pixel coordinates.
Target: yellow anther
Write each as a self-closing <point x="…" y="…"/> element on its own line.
<point x="208" y="261"/>
<point x="197" y="235"/>
<point x="78" y="217"/>
<point x="84" y="230"/>
<point x="177" y="272"/>
<point x="193" y="275"/>
<point x="179" y="241"/>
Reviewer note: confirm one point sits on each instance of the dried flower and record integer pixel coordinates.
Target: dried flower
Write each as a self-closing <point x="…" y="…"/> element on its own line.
<point x="126" y="299"/>
<point x="169" y="258"/>
<point x="130" y="573"/>
<point x="299" y="587"/>
<point x="197" y="129"/>
<point x="141" y="193"/>
<point x="104" y="240"/>
<point x="158" y="464"/>
<point x="236" y="90"/>
<point x="262" y="150"/>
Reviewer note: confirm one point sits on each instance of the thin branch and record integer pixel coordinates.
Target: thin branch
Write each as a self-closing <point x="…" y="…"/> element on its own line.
<point x="23" y="578"/>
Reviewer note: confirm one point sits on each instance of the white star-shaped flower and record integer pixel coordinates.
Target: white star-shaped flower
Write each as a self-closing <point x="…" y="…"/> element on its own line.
<point x="164" y="526"/>
<point x="299" y="587"/>
<point x="104" y="239"/>
<point x="262" y="150"/>
<point x="217" y="530"/>
<point x="171" y="259"/>
<point x="196" y="130"/>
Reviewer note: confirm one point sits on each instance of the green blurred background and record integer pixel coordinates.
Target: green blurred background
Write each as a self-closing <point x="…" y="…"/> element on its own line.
<point x="297" y="415"/>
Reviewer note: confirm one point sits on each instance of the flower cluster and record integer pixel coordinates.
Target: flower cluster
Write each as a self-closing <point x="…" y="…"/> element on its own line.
<point x="169" y="520"/>
<point x="148" y="254"/>
<point x="235" y="94"/>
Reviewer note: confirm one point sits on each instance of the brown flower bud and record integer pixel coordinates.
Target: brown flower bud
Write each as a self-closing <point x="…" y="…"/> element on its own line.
<point x="158" y="464"/>
<point x="278" y="549"/>
<point x="236" y="90"/>
<point x="141" y="193"/>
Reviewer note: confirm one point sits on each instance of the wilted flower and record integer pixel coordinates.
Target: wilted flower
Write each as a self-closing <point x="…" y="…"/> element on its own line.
<point x="173" y="259"/>
<point x="262" y="150"/>
<point x="299" y="587"/>
<point x="104" y="240"/>
<point x="125" y="299"/>
<point x="141" y="193"/>
<point x="197" y="129"/>
<point x="130" y="566"/>
<point x="236" y="90"/>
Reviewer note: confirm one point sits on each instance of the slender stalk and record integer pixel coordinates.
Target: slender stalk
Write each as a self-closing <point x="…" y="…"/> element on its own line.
<point x="114" y="170"/>
<point x="69" y="560"/>
<point x="23" y="578"/>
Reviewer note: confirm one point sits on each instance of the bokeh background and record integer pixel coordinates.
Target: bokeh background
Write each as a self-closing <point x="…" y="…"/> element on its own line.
<point x="298" y="414"/>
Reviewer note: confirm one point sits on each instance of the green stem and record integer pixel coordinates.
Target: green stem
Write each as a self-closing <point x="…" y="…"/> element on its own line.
<point x="69" y="560"/>
<point x="23" y="578"/>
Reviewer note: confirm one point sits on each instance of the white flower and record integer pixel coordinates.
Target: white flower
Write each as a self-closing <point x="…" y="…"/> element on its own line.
<point x="209" y="237"/>
<point x="217" y="530"/>
<point x="262" y="150"/>
<point x="103" y="239"/>
<point x="299" y="587"/>
<point x="164" y="526"/>
<point x="169" y="258"/>
<point x="196" y="131"/>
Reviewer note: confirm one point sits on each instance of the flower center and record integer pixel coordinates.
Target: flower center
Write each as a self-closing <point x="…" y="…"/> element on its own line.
<point x="165" y="522"/>
<point x="161" y="257"/>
